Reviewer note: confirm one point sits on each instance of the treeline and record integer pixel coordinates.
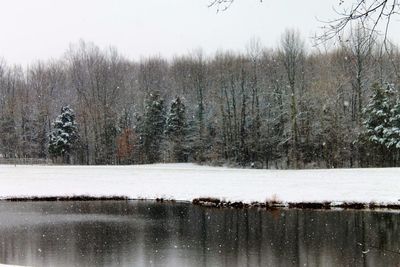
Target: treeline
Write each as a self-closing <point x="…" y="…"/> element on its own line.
<point x="268" y="108"/>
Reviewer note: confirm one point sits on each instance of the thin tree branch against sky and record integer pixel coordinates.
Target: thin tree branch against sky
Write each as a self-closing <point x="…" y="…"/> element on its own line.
<point x="376" y="16"/>
<point x="44" y="29"/>
<point x="373" y="15"/>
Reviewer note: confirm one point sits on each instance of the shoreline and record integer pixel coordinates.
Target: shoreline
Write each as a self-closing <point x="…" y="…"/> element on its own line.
<point x="220" y="204"/>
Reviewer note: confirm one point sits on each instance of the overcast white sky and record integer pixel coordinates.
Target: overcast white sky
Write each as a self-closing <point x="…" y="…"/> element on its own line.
<point x="43" y="29"/>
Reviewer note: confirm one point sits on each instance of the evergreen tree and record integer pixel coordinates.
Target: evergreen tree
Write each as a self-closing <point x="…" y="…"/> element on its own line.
<point x="176" y="130"/>
<point x="152" y="128"/>
<point x="377" y="123"/>
<point x="392" y="133"/>
<point x="377" y="115"/>
<point x="64" y="135"/>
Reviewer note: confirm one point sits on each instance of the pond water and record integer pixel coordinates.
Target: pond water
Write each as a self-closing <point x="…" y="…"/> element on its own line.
<point x="134" y="233"/>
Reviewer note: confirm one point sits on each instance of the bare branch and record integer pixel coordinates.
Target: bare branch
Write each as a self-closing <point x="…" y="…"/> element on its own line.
<point x="373" y="15"/>
<point x="222" y="5"/>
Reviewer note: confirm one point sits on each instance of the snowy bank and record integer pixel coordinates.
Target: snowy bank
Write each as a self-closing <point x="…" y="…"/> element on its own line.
<point x="188" y="181"/>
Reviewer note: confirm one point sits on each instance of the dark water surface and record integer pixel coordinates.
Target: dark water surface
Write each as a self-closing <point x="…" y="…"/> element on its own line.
<point x="131" y="233"/>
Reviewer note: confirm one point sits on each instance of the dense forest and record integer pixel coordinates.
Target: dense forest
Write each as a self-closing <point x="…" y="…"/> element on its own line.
<point x="287" y="107"/>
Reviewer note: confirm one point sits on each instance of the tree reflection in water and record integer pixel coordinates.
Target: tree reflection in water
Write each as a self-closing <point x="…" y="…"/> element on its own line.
<point x="131" y="233"/>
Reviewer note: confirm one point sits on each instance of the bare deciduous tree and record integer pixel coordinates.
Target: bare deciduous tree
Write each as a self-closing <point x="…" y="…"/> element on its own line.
<point x="292" y="56"/>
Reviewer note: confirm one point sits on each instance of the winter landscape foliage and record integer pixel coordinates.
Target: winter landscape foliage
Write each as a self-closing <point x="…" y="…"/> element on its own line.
<point x="287" y="107"/>
<point x="64" y="134"/>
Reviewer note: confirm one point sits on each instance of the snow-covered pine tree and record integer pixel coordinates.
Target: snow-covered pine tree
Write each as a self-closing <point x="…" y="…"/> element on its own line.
<point x="377" y="121"/>
<point x="64" y="135"/>
<point x="392" y="133"/>
<point x="176" y="130"/>
<point x="152" y="128"/>
<point x="377" y="115"/>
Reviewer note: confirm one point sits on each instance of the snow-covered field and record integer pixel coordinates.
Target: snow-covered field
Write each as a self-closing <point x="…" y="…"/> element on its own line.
<point x="189" y="181"/>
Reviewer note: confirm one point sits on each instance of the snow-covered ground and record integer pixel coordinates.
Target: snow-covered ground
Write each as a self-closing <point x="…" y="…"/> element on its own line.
<point x="189" y="181"/>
